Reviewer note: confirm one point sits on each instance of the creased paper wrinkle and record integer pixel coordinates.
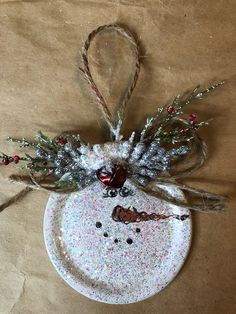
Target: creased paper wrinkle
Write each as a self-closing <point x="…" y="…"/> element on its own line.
<point x="21" y="295"/>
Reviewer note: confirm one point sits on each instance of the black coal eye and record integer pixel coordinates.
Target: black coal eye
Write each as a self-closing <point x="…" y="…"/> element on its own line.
<point x="116" y="240"/>
<point x="129" y="241"/>
<point x="137" y="230"/>
<point x="98" y="224"/>
<point x="105" y="234"/>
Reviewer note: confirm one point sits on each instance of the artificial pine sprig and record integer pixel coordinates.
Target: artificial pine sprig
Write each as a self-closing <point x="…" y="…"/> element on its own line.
<point x="64" y="156"/>
<point x="43" y="148"/>
<point x="156" y="125"/>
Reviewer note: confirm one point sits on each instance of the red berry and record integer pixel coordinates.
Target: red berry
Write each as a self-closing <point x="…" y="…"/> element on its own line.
<point x="170" y="109"/>
<point x="192" y="117"/>
<point x="5" y="161"/>
<point x="183" y="131"/>
<point x="61" y="141"/>
<point x="16" y="159"/>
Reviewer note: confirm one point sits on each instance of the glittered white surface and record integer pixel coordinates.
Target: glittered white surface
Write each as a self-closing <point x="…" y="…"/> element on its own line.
<point x="89" y="259"/>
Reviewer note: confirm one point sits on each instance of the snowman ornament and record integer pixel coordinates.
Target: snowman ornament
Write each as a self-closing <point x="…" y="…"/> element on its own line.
<point x="121" y="228"/>
<point x="112" y="241"/>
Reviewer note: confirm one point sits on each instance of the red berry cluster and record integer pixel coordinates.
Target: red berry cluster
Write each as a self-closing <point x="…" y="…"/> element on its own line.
<point x="183" y="131"/>
<point x="61" y="141"/>
<point x="170" y="109"/>
<point x="193" y="120"/>
<point x="6" y="160"/>
<point x="192" y="117"/>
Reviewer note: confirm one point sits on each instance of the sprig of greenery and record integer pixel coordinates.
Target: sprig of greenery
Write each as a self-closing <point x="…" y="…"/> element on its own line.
<point x="164" y="126"/>
<point x="156" y="127"/>
<point x="35" y="164"/>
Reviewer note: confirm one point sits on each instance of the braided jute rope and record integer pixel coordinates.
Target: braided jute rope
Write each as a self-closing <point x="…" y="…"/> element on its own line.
<point x="88" y="76"/>
<point x="200" y="200"/>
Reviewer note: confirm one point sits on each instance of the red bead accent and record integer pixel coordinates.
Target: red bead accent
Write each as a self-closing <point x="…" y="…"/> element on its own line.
<point x="170" y="109"/>
<point x="61" y="141"/>
<point x="114" y="179"/>
<point x="16" y="159"/>
<point x="5" y="161"/>
<point x="192" y="117"/>
<point x="183" y="131"/>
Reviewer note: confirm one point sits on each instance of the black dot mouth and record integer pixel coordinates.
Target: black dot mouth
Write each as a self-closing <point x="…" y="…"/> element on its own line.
<point x="98" y="224"/>
<point x="129" y="241"/>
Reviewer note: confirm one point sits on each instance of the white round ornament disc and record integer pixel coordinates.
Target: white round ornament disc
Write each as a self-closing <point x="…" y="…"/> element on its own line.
<point x="110" y="261"/>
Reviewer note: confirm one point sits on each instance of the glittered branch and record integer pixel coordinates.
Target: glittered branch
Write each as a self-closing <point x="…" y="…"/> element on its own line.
<point x="45" y="159"/>
<point x="157" y="126"/>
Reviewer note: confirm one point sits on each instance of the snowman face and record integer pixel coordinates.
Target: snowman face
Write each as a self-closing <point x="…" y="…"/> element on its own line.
<point x="109" y="248"/>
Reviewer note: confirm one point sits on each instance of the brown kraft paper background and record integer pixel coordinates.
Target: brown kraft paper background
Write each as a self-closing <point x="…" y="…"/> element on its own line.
<point x="183" y="43"/>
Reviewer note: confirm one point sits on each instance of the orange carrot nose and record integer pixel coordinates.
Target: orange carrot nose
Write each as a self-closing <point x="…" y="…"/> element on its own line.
<point x="129" y="215"/>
